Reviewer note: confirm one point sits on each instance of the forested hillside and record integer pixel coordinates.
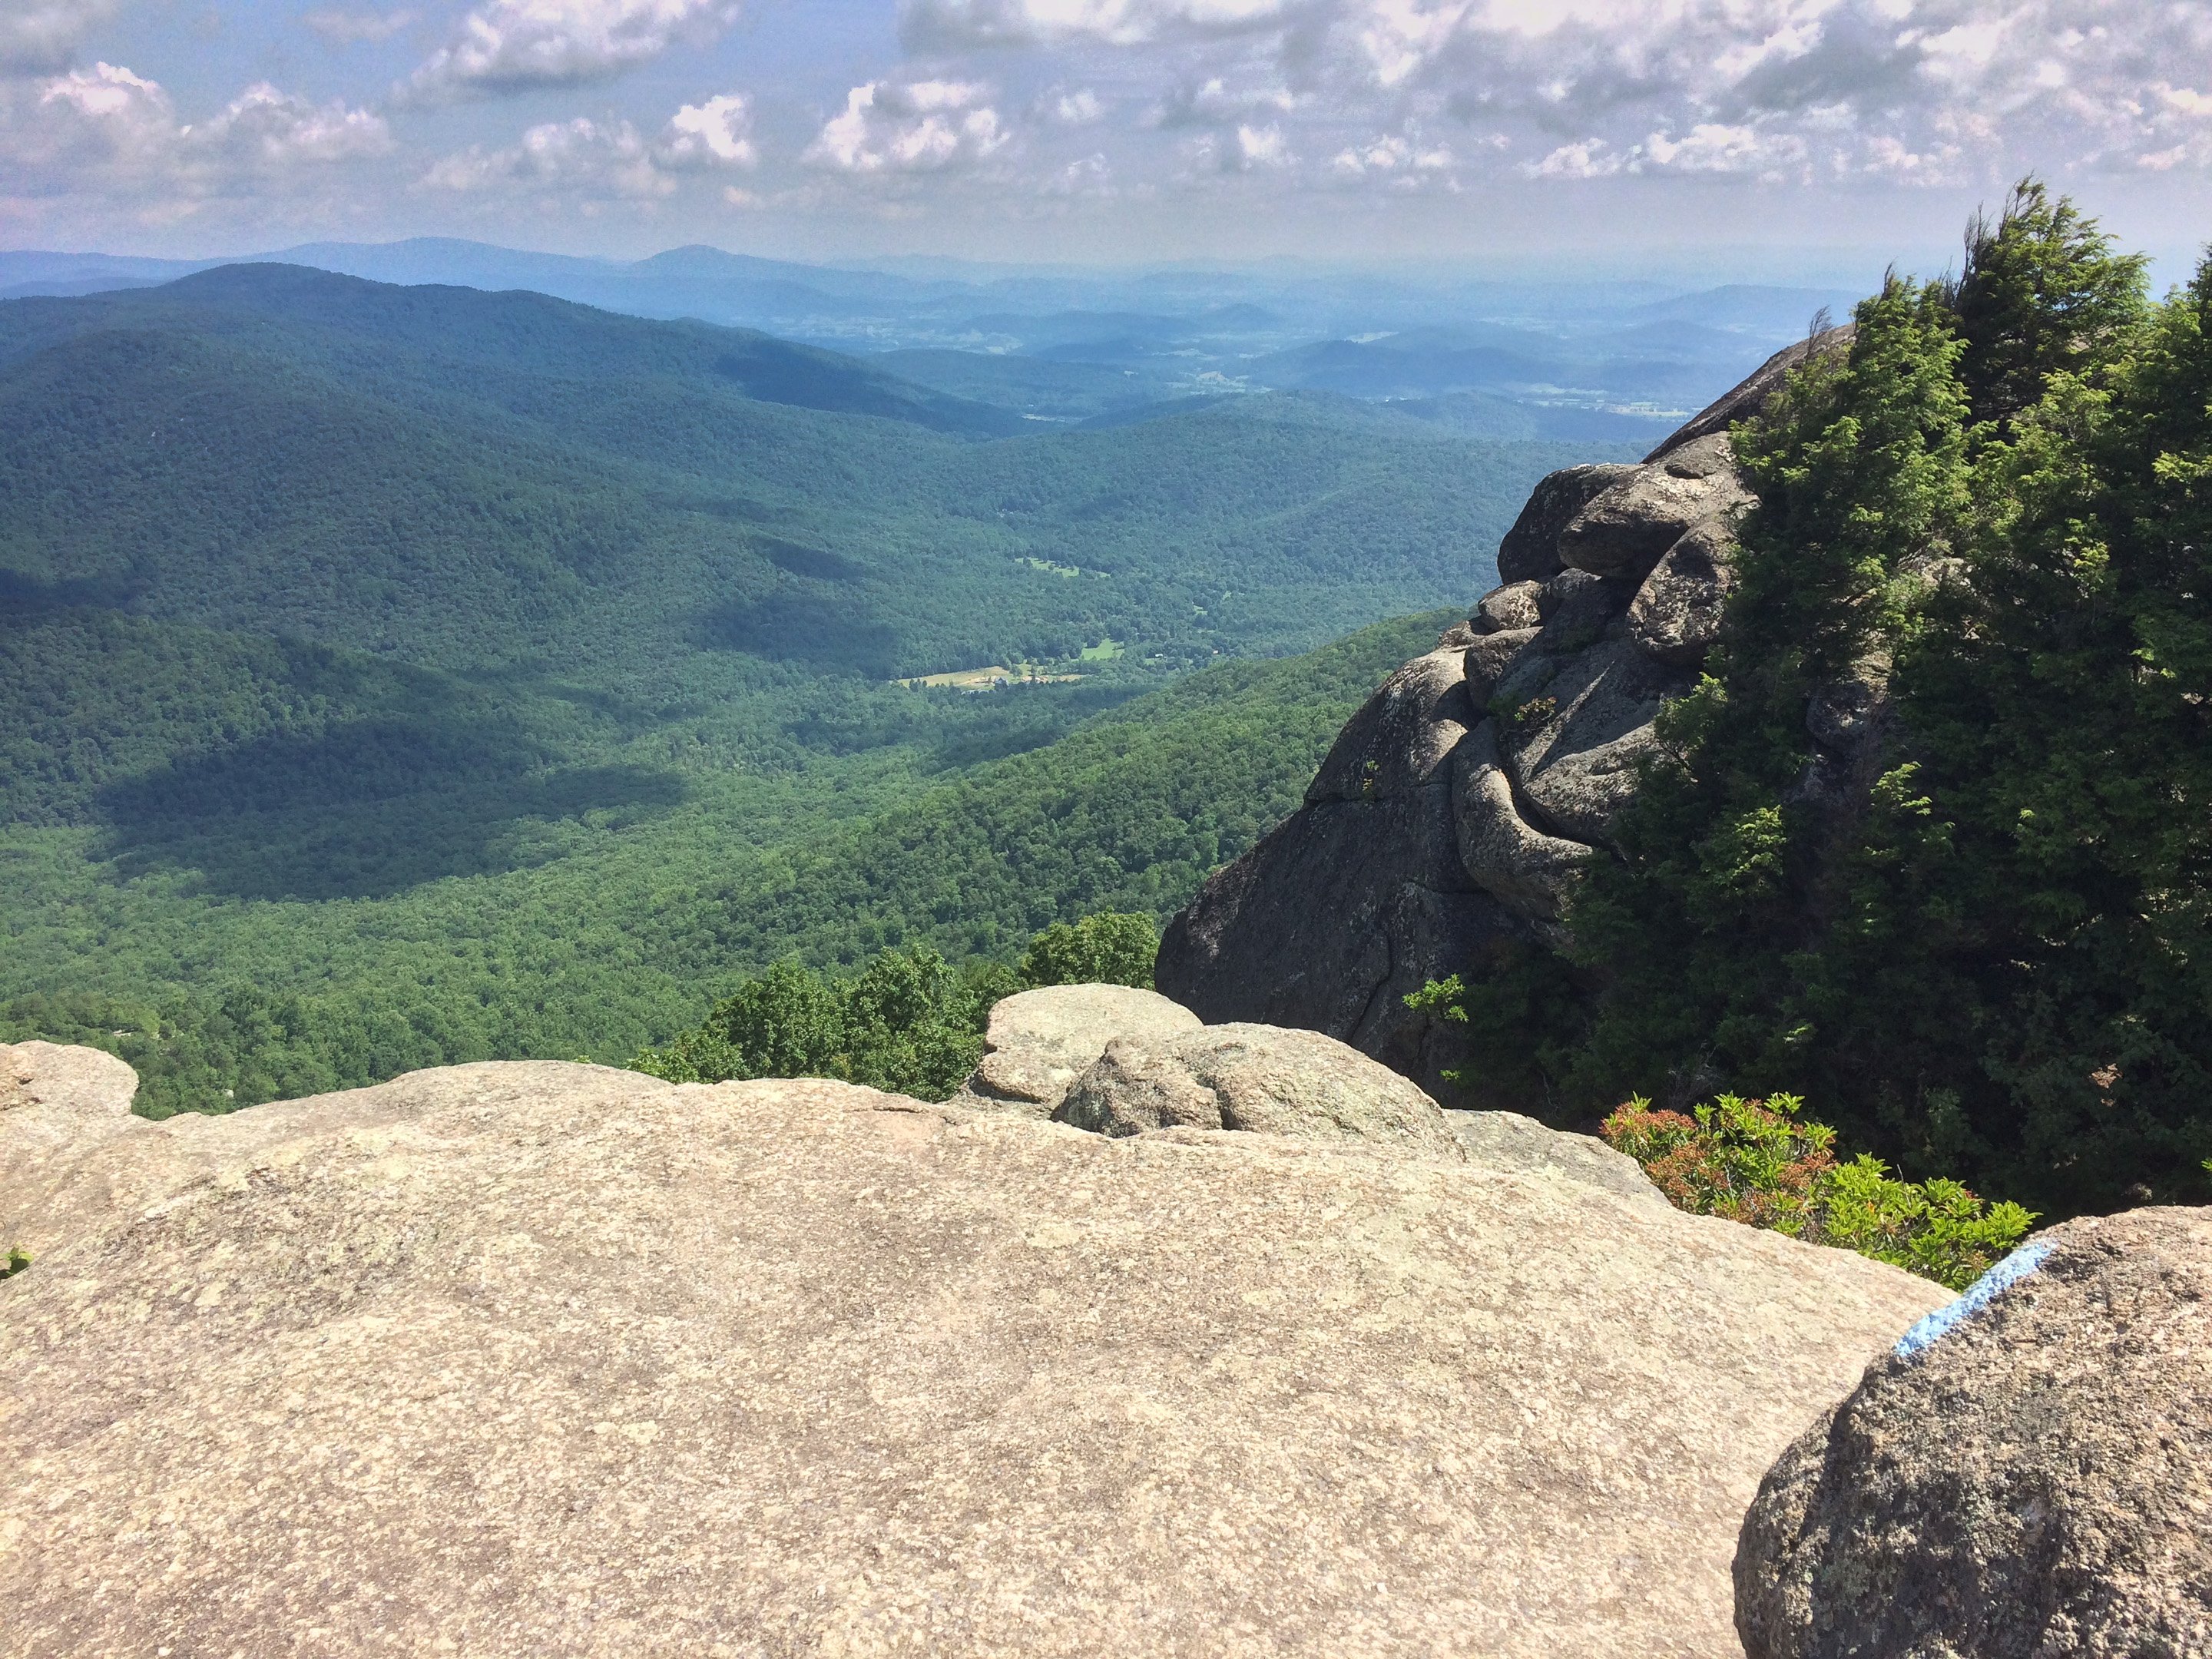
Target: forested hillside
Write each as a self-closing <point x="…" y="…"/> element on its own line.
<point x="599" y="925"/>
<point x="479" y="481"/>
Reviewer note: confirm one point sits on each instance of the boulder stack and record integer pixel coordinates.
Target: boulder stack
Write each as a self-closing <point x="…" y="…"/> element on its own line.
<point x="1036" y="1043"/>
<point x="1457" y="808"/>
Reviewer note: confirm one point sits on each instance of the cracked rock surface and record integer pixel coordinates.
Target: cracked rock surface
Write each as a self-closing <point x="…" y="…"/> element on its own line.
<point x="1261" y="1079"/>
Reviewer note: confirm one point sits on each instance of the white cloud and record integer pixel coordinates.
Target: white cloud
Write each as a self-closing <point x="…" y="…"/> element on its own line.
<point x="263" y="127"/>
<point x="942" y="24"/>
<point x="40" y="36"/>
<point x="1261" y="147"/>
<point x="714" y="134"/>
<point x="110" y="130"/>
<point x="101" y="117"/>
<point x="580" y="157"/>
<point x="1586" y="158"/>
<point x="1088" y="175"/>
<point x="1960" y="92"/>
<point x="1211" y="102"/>
<point x="912" y="127"/>
<point x="512" y="45"/>
<point x="346" y="28"/>
<point x="1392" y="155"/>
<point x="1711" y="147"/>
<point x="595" y="160"/>
<point x="1078" y="108"/>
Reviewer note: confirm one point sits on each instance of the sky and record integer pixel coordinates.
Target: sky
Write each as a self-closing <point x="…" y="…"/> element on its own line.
<point x="1729" y="133"/>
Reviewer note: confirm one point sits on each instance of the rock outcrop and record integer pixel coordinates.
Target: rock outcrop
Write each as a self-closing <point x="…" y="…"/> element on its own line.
<point x="553" y="1361"/>
<point x="1456" y="812"/>
<point x="2030" y="1474"/>
<point x="1259" y="1079"/>
<point x="1036" y="1043"/>
<point x="71" y="1079"/>
<point x="1510" y="1140"/>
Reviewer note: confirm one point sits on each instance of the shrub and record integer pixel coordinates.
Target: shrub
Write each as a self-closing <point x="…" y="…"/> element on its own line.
<point x="1115" y="948"/>
<point x="1759" y="1163"/>
<point x="909" y="1022"/>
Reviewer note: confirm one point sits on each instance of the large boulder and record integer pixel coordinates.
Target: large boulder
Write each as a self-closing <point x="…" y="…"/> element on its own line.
<point x="1530" y="551"/>
<point x="1035" y="1043"/>
<point x="1675" y="617"/>
<point x="550" y="1360"/>
<point x="1357" y="900"/>
<point x="1261" y="1079"/>
<point x="1528" y="871"/>
<point x="1451" y="822"/>
<point x="2029" y="1474"/>
<point x="65" y="1079"/>
<point x="1624" y="529"/>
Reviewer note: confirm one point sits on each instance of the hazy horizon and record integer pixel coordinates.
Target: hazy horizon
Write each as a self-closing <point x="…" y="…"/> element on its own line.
<point x="1772" y="140"/>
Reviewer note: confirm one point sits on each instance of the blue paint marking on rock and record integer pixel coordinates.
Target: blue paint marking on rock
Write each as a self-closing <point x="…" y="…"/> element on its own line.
<point x="2020" y="1264"/>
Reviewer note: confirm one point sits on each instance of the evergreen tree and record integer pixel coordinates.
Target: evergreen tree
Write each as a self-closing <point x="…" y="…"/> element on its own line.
<point x="1702" y="929"/>
<point x="2042" y="293"/>
<point x="1998" y="959"/>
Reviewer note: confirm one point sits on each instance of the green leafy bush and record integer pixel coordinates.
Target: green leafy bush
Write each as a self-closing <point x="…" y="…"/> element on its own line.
<point x="908" y="1022"/>
<point x="1113" y="948"/>
<point x="1759" y="1163"/>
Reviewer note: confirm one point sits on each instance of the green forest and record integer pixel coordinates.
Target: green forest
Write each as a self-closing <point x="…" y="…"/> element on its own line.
<point x="1992" y="518"/>
<point x="398" y="675"/>
<point x="617" y="926"/>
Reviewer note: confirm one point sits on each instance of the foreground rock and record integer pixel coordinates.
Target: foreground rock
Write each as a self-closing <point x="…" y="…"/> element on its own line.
<point x="1258" y="1079"/>
<point x="71" y="1079"/>
<point x="1036" y="1043"/>
<point x="1451" y="822"/>
<point x="548" y="1360"/>
<point x="2035" y="1480"/>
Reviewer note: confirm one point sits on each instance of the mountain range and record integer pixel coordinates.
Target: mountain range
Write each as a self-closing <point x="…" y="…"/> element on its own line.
<point x="1579" y="360"/>
<point x="439" y="656"/>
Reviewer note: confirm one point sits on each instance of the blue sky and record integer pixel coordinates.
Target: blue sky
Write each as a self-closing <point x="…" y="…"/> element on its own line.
<point x="1097" y="130"/>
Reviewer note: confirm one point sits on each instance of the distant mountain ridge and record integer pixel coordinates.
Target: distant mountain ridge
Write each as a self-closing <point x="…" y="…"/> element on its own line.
<point x="1628" y="349"/>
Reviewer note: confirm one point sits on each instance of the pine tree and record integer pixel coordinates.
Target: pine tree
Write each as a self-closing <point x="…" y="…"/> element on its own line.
<point x="2042" y="293"/>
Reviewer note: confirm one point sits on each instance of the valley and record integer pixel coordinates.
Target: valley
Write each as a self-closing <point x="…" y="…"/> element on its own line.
<point x="401" y="676"/>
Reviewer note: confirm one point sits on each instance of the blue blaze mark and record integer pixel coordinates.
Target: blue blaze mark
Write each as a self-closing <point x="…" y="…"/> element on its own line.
<point x="2018" y="1265"/>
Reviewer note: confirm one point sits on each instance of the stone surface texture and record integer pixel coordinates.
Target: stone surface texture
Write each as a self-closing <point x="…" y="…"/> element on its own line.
<point x="79" y="1080"/>
<point x="1259" y="1080"/>
<point x="549" y="1360"/>
<point x="2036" y="1480"/>
<point x="1035" y="1043"/>
<point x="1509" y="1140"/>
<point x="1384" y="903"/>
<point x="1491" y="772"/>
<point x="1530" y="551"/>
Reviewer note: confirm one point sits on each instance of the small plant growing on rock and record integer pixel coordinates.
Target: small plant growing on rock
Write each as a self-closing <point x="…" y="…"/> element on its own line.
<point x="15" y="1262"/>
<point x="1757" y="1162"/>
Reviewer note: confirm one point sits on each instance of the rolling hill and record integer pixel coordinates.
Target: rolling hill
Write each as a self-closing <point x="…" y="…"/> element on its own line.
<point x="393" y="675"/>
